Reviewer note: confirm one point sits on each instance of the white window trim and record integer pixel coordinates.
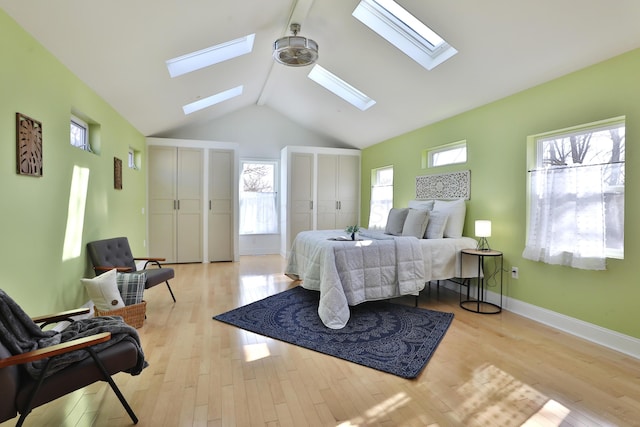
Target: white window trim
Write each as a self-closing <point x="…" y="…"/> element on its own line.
<point x="403" y="30"/>
<point x="380" y="225"/>
<point x="534" y="153"/>
<point x="83" y="124"/>
<point x="429" y="153"/>
<point x="132" y="155"/>
<point x="276" y="184"/>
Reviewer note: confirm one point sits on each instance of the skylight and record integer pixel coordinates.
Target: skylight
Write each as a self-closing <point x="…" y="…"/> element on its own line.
<point x="209" y="56"/>
<point x="403" y="30"/>
<point x="341" y="88"/>
<point x="212" y="100"/>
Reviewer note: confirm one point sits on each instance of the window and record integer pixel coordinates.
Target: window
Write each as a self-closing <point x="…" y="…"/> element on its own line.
<point x="576" y="195"/>
<point x="339" y="87"/>
<point x="449" y="154"/>
<point x="381" y="197"/>
<point x="212" y="55"/>
<point x="212" y="100"/>
<point x="133" y="158"/>
<point x="80" y="133"/>
<point x="403" y="30"/>
<point x="258" y="197"/>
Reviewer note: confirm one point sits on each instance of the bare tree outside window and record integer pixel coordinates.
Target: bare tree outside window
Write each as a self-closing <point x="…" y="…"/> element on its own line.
<point x="576" y="204"/>
<point x="258" y="198"/>
<point x="258" y="177"/>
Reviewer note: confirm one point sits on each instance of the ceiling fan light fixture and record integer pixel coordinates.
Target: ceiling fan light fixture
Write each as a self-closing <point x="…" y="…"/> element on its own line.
<point x="295" y="51"/>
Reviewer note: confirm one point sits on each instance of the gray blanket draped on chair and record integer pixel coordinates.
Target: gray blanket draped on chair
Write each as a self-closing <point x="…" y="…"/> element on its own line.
<point x="20" y="334"/>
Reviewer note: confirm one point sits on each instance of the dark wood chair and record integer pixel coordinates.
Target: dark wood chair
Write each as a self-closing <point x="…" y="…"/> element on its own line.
<point x="108" y="254"/>
<point x="21" y="392"/>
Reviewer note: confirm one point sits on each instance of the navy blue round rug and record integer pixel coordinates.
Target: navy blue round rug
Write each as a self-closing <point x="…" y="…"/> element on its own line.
<point x="393" y="338"/>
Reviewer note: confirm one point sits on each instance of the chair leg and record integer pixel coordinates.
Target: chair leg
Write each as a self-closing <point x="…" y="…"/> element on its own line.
<point x="32" y="395"/>
<point x="113" y="385"/>
<point x="171" y="292"/>
<point x="105" y="373"/>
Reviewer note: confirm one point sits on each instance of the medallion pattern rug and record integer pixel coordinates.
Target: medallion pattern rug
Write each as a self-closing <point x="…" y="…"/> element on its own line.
<point x="389" y="337"/>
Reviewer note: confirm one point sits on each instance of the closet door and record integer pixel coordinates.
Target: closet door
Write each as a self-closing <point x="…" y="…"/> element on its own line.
<point x="328" y="203"/>
<point x="348" y="190"/>
<point x="301" y="194"/>
<point x="189" y="205"/>
<point x="175" y="203"/>
<point x="338" y="191"/>
<point x="220" y="219"/>
<point x="162" y="202"/>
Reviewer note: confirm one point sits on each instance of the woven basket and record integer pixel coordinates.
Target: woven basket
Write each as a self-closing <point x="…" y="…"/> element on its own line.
<point x="132" y="314"/>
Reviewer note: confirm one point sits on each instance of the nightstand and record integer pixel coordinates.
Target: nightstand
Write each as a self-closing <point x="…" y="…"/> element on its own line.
<point x="480" y="304"/>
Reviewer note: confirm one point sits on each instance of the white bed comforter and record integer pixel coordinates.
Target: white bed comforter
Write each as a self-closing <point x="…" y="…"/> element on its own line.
<point x="377" y="267"/>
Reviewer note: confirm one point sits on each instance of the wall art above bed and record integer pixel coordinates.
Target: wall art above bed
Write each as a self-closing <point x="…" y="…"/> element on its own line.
<point x="444" y="186"/>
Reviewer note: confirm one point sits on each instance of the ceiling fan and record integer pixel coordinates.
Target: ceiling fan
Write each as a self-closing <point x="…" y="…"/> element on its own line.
<point x="295" y="51"/>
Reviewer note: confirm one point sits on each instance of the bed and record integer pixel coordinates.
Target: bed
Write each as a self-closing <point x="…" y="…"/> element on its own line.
<point x="419" y="243"/>
<point x="377" y="266"/>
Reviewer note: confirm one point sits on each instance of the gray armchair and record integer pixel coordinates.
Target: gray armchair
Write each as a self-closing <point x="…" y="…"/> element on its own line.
<point x="113" y="253"/>
<point x="22" y="391"/>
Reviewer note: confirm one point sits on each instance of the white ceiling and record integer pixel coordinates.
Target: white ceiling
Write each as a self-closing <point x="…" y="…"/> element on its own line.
<point x="119" y="48"/>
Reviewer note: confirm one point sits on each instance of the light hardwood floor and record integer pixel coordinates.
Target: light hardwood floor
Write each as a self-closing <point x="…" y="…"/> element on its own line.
<point x="489" y="370"/>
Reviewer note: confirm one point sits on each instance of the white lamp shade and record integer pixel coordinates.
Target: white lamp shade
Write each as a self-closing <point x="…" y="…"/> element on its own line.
<point x="483" y="228"/>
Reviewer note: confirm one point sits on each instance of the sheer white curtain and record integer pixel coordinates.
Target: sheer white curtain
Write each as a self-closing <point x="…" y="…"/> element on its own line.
<point x="258" y="213"/>
<point x="381" y="204"/>
<point x="567" y="217"/>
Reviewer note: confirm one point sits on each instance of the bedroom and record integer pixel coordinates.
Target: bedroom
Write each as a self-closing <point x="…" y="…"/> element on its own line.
<point x="498" y="130"/>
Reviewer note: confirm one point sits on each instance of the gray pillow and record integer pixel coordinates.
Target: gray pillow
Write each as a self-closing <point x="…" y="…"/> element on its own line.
<point x="421" y="204"/>
<point x="131" y="287"/>
<point x="395" y="221"/>
<point x="437" y="223"/>
<point x="416" y="223"/>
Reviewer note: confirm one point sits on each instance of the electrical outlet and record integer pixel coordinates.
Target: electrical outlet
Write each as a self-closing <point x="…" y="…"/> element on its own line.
<point x="514" y="272"/>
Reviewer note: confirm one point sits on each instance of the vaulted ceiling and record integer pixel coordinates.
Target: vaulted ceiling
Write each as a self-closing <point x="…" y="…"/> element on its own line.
<point x="119" y="48"/>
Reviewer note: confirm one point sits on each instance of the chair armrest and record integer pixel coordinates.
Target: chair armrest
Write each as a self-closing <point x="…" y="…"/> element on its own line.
<point x="59" y="317"/>
<point x="155" y="261"/>
<point x="103" y="269"/>
<point x="55" y="350"/>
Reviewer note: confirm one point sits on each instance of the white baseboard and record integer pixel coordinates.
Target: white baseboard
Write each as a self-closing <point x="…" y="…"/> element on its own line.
<point x="258" y="252"/>
<point x="606" y="337"/>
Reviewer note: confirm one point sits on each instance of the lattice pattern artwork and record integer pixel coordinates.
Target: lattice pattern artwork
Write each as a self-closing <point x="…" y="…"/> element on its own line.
<point x="446" y="186"/>
<point x="28" y="145"/>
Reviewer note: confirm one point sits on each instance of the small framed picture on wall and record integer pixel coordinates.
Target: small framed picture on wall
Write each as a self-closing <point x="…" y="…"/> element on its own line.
<point x="28" y="145"/>
<point x="117" y="173"/>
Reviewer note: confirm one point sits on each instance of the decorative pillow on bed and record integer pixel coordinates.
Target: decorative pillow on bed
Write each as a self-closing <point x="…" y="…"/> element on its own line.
<point x="436" y="225"/>
<point x="103" y="291"/>
<point x="395" y="221"/>
<point x="416" y="223"/>
<point x="131" y="287"/>
<point x="421" y="204"/>
<point x="456" y="210"/>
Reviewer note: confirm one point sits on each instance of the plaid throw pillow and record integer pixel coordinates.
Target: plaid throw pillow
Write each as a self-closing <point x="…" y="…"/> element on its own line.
<point x="131" y="287"/>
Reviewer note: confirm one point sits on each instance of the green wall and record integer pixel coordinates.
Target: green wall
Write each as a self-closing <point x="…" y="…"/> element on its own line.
<point x="496" y="137"/>
<point x="36" y="271"/>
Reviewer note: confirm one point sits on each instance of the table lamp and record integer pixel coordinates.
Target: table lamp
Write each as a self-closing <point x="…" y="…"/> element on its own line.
<point x="483" y="230"/>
